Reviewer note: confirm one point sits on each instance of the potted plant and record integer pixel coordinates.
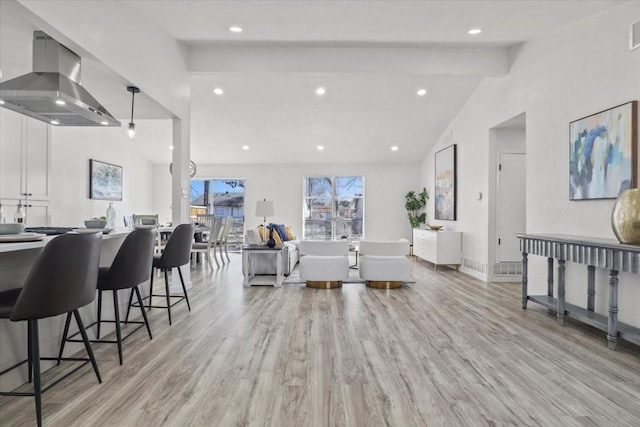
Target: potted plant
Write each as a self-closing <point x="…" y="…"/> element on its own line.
<point x="414" y="204"/>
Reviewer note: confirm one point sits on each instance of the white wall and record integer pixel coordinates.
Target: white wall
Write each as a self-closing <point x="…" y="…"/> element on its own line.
<point x="71" y="149"/>
<point x="573" y="72"/>
<point x="385" y="187"/>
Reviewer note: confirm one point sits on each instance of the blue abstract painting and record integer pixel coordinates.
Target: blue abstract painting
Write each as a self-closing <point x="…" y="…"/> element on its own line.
<point x="603" y="153"/>
<point x="445" y="184"/>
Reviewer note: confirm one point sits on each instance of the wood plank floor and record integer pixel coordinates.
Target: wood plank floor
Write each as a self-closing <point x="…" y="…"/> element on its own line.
<point x="447" y="350"/>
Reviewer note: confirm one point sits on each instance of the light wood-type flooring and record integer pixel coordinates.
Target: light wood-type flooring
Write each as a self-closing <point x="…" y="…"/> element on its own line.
<point x="447" y="350"/>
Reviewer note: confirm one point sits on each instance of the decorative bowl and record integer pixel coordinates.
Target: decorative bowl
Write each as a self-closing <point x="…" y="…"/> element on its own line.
<point x="11" y="228"/>
<point x="95" y="223"/>
<point x="434" y="227"/>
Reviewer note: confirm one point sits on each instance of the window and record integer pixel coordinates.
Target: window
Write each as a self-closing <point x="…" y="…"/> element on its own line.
<point x="333" y="207"/>
<point x="221" y="197"/>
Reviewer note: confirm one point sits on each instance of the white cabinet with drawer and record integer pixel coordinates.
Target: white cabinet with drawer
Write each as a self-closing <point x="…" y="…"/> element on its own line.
<point x="438" y="247"/>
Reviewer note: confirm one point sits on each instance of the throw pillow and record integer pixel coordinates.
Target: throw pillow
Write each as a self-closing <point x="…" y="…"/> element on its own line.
<point x="253" y="237"/>
<point x="281" y="231"/>
<point x="289" y="233"/>
<point x="264" y="233"/>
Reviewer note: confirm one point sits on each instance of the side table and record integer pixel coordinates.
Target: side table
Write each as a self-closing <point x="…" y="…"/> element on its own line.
<point x="249" y="254"/>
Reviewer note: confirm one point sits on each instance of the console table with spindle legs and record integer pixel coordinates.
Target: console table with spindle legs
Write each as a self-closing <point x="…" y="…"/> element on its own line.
<point x="601" y="253"/>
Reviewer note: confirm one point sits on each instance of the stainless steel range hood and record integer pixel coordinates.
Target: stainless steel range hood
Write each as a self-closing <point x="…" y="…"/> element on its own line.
<point x="52" y="92"/>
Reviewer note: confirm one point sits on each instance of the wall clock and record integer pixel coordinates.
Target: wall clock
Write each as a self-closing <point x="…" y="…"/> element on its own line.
<point x="192" y="169"/>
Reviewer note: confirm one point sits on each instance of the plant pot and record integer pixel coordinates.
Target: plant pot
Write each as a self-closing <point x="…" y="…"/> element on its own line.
<point x="625" y="218"/>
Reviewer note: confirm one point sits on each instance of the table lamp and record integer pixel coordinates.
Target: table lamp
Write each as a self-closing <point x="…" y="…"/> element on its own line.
<point x="264" y="208"/>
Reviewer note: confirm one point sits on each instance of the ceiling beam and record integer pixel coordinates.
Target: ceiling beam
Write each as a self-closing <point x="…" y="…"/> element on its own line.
<point x="284" y="58"/>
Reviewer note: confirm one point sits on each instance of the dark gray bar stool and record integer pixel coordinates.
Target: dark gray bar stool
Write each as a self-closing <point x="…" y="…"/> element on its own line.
<point x="62" y="280"/>
<point x="176" y="254"/>
<point x="130" y="268"/>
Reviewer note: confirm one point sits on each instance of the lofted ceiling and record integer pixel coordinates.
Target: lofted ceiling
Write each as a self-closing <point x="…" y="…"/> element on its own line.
<point x="371" y="56"/>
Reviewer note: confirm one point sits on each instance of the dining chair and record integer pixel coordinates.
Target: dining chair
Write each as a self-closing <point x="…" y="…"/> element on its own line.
<point x="207" y="245"/>
<point x="224" y="237"/>
<point x="145" y="219"/>
<point x="149" y="219"/>
<point x="128" y="221"/>
<point x="62" y="280"/>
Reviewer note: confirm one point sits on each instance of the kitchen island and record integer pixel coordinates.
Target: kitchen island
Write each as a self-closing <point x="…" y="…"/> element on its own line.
<point x="16" y="260"/>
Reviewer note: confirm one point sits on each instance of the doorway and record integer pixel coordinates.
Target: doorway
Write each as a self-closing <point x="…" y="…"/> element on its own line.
<point x="510" y="206"/>
<point x="507" y="205"/>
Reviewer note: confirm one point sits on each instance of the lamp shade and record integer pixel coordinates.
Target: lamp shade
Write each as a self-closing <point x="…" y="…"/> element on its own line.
<point x="264" y="208"/>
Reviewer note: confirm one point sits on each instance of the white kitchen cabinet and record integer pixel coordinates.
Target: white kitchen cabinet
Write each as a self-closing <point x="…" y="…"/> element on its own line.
<point x="38" y="214"/>
<point x="438" y="247"/>
<point x="25" y="157"/>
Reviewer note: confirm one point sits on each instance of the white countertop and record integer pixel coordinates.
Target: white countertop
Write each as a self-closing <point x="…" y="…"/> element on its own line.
<point x="20" y="246"/>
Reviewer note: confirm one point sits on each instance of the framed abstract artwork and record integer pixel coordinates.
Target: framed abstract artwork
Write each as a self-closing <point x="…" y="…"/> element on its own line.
<point x="445" y="184"/>
<point x="603" y="153"/>
<point x="105" y="182"/>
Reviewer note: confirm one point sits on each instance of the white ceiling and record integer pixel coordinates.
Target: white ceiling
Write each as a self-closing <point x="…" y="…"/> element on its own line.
<point x="381" y="53"/>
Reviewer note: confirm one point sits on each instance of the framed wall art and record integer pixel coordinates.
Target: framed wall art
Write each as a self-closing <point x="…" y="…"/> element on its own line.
<point x="105" y="181"/>
<point x="445" y="184"/>
<point x="603" y="153"/>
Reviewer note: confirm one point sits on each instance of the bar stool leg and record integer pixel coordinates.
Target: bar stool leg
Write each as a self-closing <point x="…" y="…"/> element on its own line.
<point x="166" y="287"/>
<point x="144" y="314"/>
<point x="184" y="289"/>
<point x="67" y="323"/>
<point x="126" y="319"/>
<point x="37" y="389"/>
<point x="87" y="344"/>
<point x="150" y="288"/>
<point x="116" y="311"/>
<point x="30" y="352"/>
<point x="99" y="313"/>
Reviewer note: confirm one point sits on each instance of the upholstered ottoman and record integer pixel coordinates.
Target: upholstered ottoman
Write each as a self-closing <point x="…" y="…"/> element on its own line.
<point x="324" y="264"/>
<point x="384" y="264"/>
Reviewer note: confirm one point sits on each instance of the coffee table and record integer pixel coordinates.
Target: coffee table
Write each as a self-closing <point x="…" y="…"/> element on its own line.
<point x="249" y="254"/>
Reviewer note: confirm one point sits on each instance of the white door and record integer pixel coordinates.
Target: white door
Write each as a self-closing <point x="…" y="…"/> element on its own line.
<point x="511" y="206"/>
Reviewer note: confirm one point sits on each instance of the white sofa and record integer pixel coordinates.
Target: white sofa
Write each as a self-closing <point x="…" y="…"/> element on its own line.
<point x="266" y="264"/>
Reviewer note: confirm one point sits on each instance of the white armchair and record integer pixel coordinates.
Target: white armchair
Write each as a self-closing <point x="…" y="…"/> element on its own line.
<point x="324" y="264"/>
<point x="384" y="265"/>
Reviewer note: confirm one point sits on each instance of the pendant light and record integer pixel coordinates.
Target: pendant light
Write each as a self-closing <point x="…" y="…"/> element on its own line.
<point x="132" y="126"/>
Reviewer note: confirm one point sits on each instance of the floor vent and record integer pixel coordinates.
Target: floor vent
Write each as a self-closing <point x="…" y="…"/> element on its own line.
<point x="474" y="265"/>
<point x="507" y="268"/>
<point x="634" y="36"/>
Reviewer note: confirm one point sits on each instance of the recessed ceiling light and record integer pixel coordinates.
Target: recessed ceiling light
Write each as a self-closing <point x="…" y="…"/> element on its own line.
<point x="321" y="91"/>
<point x="171" y="147"/>
<point x="218" y="91"/>
<point x="60" y="102"/>
<point x="104" y="123"/>
<point x="245" y="147"/>
<point x="474" y="31"/>
<point x="55" y="122"/>
<point x="1" y="101"/>
<point x="394" y="148"/>
<point x="235" y="29"/>
<point x="421" y="92"/>
<point x="320" y="147"/>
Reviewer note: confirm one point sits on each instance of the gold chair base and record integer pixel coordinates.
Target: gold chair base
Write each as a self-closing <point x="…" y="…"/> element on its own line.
<point x="324" y="284"/>
<point x="384" y="284"/>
